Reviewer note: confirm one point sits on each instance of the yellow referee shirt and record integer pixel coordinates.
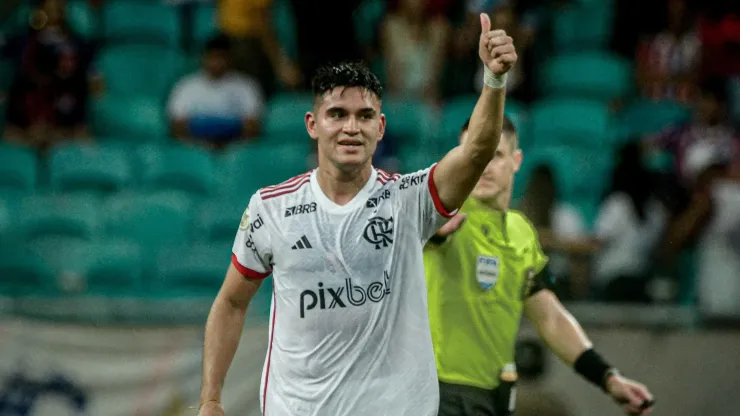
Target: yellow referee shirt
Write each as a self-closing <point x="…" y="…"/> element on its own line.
<point x="477" y="281"/>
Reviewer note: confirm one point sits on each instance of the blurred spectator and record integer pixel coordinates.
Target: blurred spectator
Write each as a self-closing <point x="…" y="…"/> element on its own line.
<point x="562" y="232"/>
<point x="318" y="23"/>
<point x="48" y="98"/>
<point x="719" y="29"/>
<point x="414" y="43"/>
<point x="629" y="224"/>
<point x="216" y="105"/>
<point x="255" y="47"/>
<point x="668" y="63"/>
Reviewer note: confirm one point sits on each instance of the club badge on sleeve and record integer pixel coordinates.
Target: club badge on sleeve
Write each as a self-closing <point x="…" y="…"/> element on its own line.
<point x="245" y="220"/>
<point x="486" y="271"/>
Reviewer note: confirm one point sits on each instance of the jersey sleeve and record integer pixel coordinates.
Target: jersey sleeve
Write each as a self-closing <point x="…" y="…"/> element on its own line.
<point x="421" y="202"/>
<point x="252" y="253"/>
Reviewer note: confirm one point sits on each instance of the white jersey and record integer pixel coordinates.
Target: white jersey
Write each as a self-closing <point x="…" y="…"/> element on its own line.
<point x="349" y="331"/>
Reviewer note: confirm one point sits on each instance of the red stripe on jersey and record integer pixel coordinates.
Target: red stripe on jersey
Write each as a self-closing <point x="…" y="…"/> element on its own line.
<point x="388" y="176"/>
<point x="286" y="183"/>
<point x="435" y="197"/>
<point x="246" y="271"/>
<point x="284" y="190"/>
<point x="269" y="354"/>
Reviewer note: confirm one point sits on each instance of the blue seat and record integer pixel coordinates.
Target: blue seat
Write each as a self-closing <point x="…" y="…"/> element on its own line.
<point x="570" y="121"/>
<point x="196" y="270"/>
<point x="89" y="167"/>
<point x="247" y="168"/>
<point x="18" y="168"/>
<point x="593" y="75"/>
<point x="140" y="70"/>
<point x="177" y="168"/>
<point x="67" y="215"/>
<point x="285" y="115"/>
<point x="132" y="119"/>
<point x="136" y="21"/>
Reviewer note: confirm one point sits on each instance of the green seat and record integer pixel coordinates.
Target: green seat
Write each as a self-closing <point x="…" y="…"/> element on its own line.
<point x="151" y="220"/>
<point x="368" y="18"/>
<point x="141" y="21"/>
<point x="283" y="21"/>
<point x="410" y="120"/>
<point x="645" y="117"/>
<point x="247" y="168"/>
<point x="196" y="270"/>
<point x="570" y="121"/>
<point x="217" y="219"/>
<point x="140" y="70"/>
<point x="134" y="119"/>
<point x="457" y="110"/>
<point x="177" y="168"/>
<point x="594" y="75"/>
<point x="205" y="24"/>
<point x="67" y="215"/>
<point x="413" y="158"/>
<point x="107" y="267"/>
<point x="18" y="168"/>
<point x="23" y="270"/>
<point x="81" y="18"/>
<point x="583" y="26"/>
<point x="580" y="173"/>
<point x="89" y="167"/>
<point x="285" y="115"/>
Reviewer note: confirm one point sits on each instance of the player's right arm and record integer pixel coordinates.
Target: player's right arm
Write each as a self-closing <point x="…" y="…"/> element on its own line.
<point x="250" y="263"/>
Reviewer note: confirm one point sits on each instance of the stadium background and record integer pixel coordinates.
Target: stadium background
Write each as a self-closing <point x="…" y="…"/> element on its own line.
<point x="113" y="247"/>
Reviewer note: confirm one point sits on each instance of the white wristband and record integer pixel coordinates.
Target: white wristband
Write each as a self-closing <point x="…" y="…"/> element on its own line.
<point x="493" y="81"/>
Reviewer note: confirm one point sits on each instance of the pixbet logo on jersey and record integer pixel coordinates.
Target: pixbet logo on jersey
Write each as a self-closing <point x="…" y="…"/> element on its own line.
<point x="340" y="296"/>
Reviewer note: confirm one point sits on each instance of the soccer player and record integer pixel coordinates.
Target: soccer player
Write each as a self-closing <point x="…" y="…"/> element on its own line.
<point x="484" y="267"/>
<point x="349" y="329"/>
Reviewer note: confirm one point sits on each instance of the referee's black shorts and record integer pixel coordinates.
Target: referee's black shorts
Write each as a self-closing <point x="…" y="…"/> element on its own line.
<point x="460" y="400"/>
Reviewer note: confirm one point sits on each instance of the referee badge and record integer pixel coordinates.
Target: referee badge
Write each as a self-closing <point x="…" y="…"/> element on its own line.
<point x="486" y="271"/>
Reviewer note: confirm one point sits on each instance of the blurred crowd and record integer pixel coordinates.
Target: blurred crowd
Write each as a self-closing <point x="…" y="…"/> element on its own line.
<point x="667" y="227"/>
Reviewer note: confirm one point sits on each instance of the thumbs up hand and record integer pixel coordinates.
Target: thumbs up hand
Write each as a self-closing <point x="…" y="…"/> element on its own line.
<point x="495" y="48"/>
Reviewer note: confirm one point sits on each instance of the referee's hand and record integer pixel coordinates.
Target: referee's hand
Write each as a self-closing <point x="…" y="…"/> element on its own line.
<point x="451" y="226"/>
<point x="633" y="396"/>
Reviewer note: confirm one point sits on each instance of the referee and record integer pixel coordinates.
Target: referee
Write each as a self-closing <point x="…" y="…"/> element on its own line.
<point x="481" y="274"/>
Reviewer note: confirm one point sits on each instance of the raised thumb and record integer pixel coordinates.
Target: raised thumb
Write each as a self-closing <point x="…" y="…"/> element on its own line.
<point x="485" y="23"/>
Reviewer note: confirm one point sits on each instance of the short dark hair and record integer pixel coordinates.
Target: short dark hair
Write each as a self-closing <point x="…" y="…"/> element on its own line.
<point x="347" y="75"/>
<point x="509" y="129"/>
<point x="218" y="43"/>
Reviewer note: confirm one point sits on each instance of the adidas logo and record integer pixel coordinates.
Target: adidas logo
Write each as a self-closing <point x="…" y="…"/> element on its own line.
<point x="301" y="244"/>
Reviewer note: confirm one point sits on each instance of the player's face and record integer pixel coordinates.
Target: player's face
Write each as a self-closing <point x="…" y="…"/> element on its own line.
<point x="498" y="177"/>
<point x="347" y="124"/>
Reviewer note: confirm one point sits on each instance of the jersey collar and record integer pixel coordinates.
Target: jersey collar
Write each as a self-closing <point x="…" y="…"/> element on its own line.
<point x="331" y="206"/>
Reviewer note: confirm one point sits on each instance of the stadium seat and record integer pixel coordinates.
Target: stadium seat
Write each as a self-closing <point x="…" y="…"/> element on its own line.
<point x="18" y="168"/>
<point x="81" y="18"/>
<point x="282" y="20"/>
<point x="177" y="168"/>
<point x="570" y="121"/>
<point x="410" y="120"/>
<point x="246" y="168"/>
<point x="140" y="70"/>
<point x="368" y="18"/>
<point x="205" y="24"/>
<point x="151" y="220"/>
<point x="107" y="266"/>
<point x="217" y="219"/>
<point x="10" y="202"/>
<point x="414" y="158"/>
<point x="131" y="119"/>
<point x="89" y="167"/>
<point x="285" y="115"/>
<point x="645" y="117"/>
<point x="58" y="215"/>
<point x="583" y="26"/>
<point x="594" y="75"/>
<point x="23" y="270"/>
<point x="141" y="21"/>
<point x="197" y="270"/>
<point x="580" y="173"/>
<point x="459" y="109"/>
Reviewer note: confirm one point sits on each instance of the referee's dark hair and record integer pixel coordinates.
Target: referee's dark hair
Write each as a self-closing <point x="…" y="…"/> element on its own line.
<point x="509" y="130"/>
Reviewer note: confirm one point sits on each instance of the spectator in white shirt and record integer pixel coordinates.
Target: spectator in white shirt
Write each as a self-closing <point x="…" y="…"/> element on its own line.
<point x="216" y="105"/>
